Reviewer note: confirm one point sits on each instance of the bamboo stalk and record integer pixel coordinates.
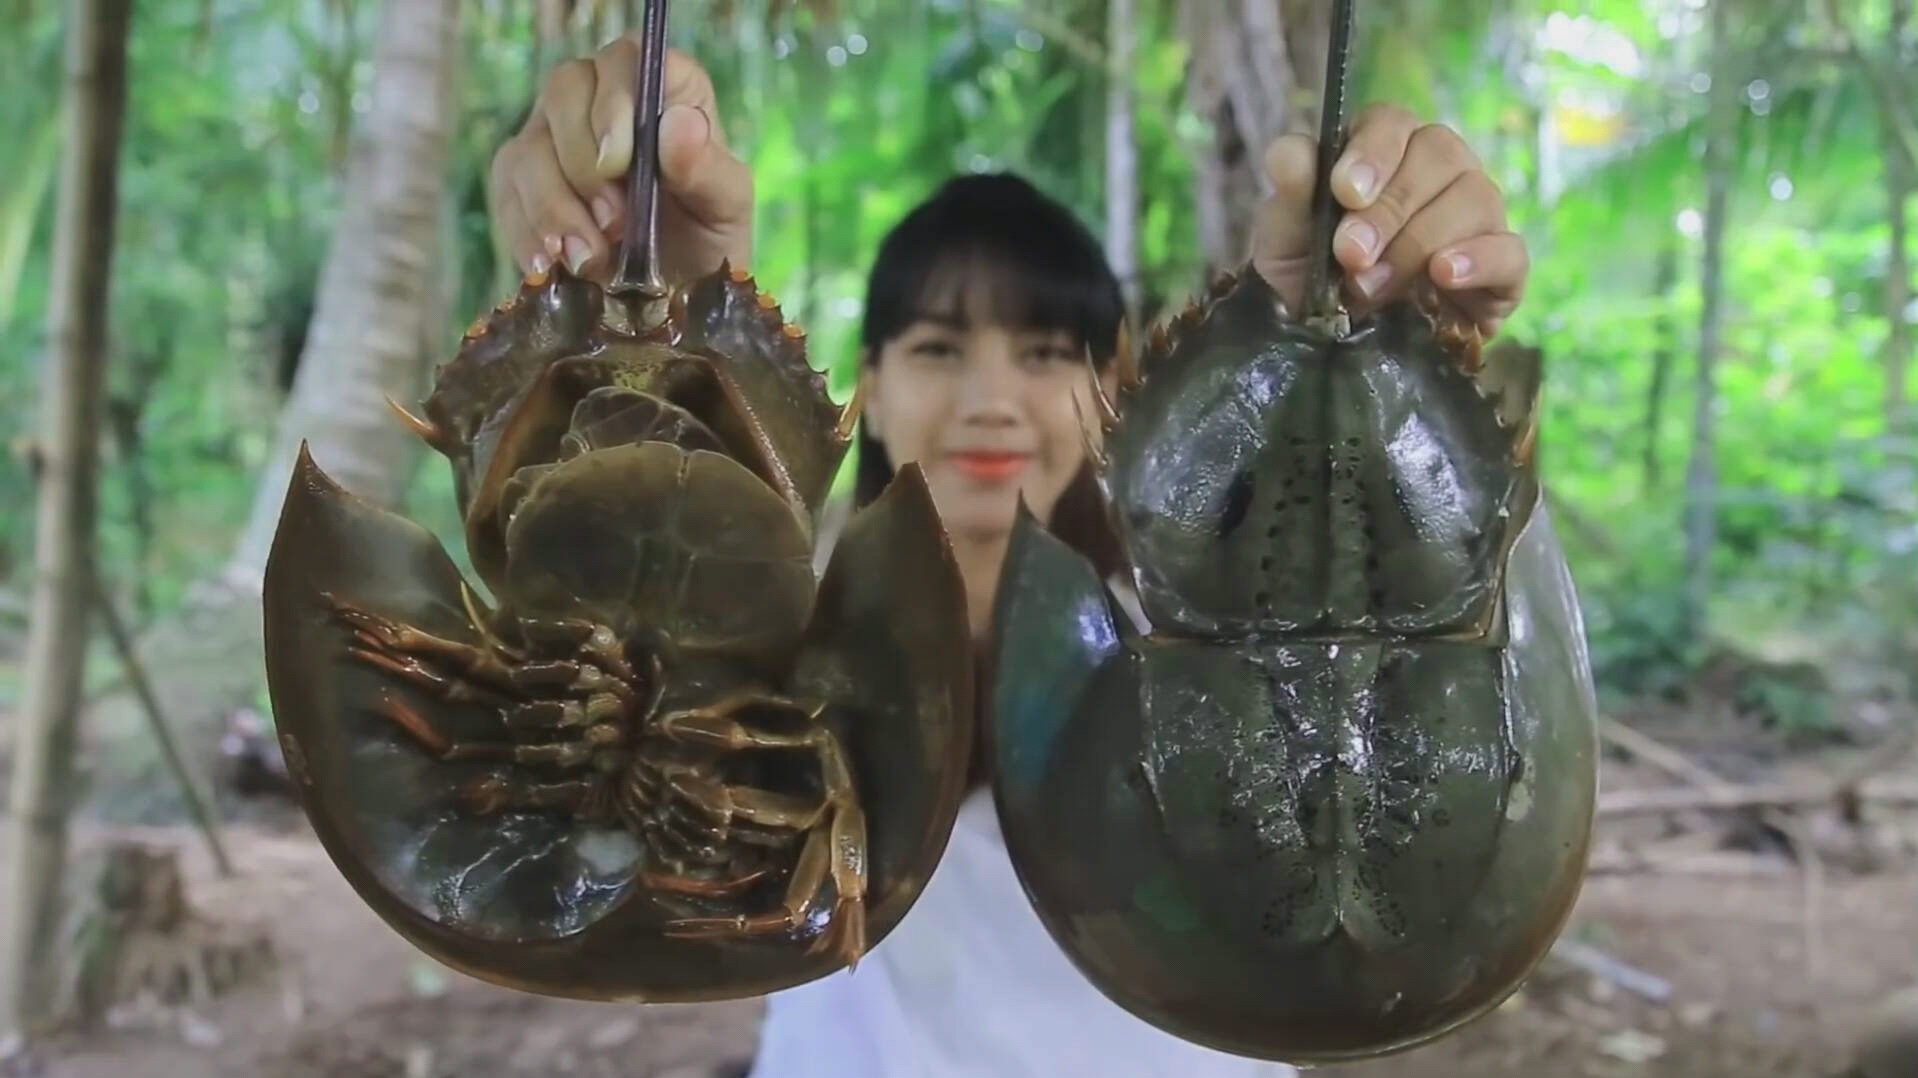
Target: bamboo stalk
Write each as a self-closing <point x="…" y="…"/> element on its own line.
<point x="67" y="508"/>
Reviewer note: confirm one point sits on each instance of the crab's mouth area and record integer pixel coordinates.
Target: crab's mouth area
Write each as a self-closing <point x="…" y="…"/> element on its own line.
<point x="723" y="417"/>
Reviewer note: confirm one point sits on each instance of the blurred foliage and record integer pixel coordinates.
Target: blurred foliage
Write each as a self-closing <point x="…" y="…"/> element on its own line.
<point x="1588" y="112"/>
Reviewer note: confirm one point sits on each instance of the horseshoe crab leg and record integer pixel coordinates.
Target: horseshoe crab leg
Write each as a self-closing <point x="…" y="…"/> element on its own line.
<point x="835" y="848"/>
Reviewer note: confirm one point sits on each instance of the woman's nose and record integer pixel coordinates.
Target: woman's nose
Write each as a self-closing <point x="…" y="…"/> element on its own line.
<point x="992" y="389"/>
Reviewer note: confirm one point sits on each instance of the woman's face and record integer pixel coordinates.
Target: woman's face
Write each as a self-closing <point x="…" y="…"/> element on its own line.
<point x="988" y="412"/>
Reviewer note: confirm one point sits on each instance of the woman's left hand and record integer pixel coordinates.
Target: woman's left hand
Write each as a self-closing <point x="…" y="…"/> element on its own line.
<point x="1417" y="201"/>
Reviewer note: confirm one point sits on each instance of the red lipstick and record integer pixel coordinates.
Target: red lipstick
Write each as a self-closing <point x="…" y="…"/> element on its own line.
<point x="988" y="467"/>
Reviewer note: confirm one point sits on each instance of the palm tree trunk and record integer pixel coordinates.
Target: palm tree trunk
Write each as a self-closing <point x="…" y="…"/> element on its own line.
<point x="67" y="512"/>
<point x="1254" y="72"/>
<point x="549" y="36"/>
<point x="379" y="317"/>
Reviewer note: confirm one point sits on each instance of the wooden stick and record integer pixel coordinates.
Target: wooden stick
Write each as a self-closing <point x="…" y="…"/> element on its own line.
<point x="1813" y="868"/>
<point x="1657" y="753"/>
<point x="1804" y="795"/>
<point x="197" y="802"/>
<point x="1604" y="966"/>
<point x="1721" y="863"/>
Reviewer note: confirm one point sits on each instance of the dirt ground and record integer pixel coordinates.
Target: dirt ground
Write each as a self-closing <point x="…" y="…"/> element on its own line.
<point x="353" y="1001"/>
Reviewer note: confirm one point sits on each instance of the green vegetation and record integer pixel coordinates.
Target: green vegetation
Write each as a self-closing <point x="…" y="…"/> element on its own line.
<point x="1594" y="115"/>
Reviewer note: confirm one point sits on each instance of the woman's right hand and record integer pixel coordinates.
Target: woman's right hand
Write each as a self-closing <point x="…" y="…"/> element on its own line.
<point x="558" y="190"/>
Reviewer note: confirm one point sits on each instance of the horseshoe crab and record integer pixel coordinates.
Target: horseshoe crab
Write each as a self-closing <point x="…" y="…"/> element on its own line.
<point x="670" y="764"/>
<point x="1335" y="800"/>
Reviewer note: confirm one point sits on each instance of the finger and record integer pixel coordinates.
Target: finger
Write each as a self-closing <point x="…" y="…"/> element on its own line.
<point x="1283" y="231"/>
<point x="510" y="219"/>
<point x="712" y="186"/>
<point x="684" y="83"/>
<point x="565" y="106"/>
<point x="1496" y="263"/>
<point x="1435" y="157"/>
<point x="554" y="211"/>
<point x="687" y="83"/>
<point x="1468" y="207"/>
<point x="616" y="79"/>
<point x="1380" y="137"/>
<point x="509" y="212"/>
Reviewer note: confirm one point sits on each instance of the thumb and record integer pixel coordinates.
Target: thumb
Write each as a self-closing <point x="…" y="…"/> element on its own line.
<point x="710" y="184"/>
<point x="1282" y="230"/>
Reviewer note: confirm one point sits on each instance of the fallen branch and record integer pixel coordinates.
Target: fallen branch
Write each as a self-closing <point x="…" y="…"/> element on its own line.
<point x="1721" y="864"/>
<point x="197" y="801"/>
<point x="1887" y="754"/>
<point x="1658" y="754"/>
<point x="1591" y="960"/>
<point x="1813" y="867"/>
<point x="1712" y="786"/>
<point x="1780" y="796"/>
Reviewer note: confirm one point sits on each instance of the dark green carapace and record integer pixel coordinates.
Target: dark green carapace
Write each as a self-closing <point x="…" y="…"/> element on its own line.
<point x="1335" y="801"/>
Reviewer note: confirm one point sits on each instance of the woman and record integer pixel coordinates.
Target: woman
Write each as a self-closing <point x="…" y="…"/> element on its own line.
<point x="981" y="310"/>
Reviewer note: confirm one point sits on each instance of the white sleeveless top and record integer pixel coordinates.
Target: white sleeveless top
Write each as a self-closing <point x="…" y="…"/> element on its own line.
<point x="971" y="985"/>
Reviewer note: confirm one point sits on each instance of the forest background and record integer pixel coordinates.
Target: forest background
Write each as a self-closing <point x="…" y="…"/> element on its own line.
<point x="1717" y="197"/>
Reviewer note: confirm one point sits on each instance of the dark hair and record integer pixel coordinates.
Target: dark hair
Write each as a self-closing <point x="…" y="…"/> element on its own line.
<point x="1046" y="271"/>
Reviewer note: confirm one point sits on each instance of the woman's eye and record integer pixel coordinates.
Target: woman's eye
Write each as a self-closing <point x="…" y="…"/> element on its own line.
<point x="935" y="349"/>
<point x="1053" y="353"/>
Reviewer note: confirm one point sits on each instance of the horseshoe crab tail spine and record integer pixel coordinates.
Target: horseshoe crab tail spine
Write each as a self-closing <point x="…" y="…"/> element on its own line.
<point x="1322" y="290"/>
<point x="639" y="260"/>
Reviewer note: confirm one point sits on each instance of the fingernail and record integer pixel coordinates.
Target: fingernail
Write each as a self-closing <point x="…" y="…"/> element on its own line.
<point x="1457" y="266"/>
<point x="1363" y="178"/>
<point x="1361" y="232"/>
<point x="578" y="251"/>
<point x="603" y="211"/>
<point x="542" y="262"/>
<point x="605" y="160"/>
<point x="1373" y="279"/>
<point x="553" y="246"/>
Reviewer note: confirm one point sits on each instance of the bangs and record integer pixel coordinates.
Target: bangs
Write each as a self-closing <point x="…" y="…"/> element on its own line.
<point x="993" y="249"/>
<point x="981" y="286"/>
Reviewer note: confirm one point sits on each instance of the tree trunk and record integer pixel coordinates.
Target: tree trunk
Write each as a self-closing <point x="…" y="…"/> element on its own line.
<point x="549" y="36"/>
<point x="67" y="509"/>
<point x="377" y="322"/>
<point x="1899" y="184"/>
<point x="1255" y="71"/>
<point x="1122" y="151"/>
<point x="1664" y="279"/>
<point x="382" y="317"/>
<point x="1701" y="479"/>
